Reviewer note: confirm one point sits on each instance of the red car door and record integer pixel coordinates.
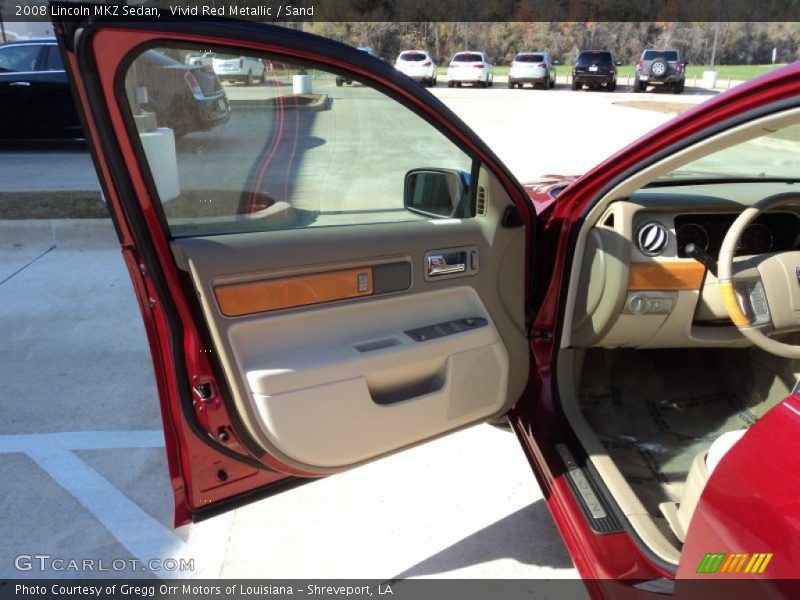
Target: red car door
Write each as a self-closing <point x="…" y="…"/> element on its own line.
<point x="332" y="276"/>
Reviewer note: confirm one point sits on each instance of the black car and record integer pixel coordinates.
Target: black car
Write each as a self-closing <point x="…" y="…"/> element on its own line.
<point x="36" y="101"/>
<point x="340" y="81"/>
<point x="186" y="98"/>
<point x="595" y="69"/>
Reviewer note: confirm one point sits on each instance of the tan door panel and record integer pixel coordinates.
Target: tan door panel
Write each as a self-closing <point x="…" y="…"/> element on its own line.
<point x="367" y="387"/>
<point x="325" y="375"/>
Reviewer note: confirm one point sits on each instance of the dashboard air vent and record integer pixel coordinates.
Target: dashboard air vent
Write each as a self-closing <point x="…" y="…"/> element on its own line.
<point x="480" y="204"/>
<point x="652" y="238"/>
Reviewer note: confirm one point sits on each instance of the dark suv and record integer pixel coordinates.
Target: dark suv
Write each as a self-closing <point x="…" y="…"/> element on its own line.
<point x="661" y="68"/>
<point x="595" y="68"/>
<point x="340" y="81"/>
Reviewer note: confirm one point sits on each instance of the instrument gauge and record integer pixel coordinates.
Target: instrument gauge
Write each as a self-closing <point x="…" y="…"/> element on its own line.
<point x="756" y="239"/>
<point x="691" y="233"/>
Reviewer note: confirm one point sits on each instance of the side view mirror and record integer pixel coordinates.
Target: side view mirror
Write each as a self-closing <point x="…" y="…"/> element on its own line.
<point x="438" y="193"/>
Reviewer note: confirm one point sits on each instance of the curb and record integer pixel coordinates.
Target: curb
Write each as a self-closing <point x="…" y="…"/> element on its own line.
<point x="316" y="102"/>
<point x="68" y="234"/>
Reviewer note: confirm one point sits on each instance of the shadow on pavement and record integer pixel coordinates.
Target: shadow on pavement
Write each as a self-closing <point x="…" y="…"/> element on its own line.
<point x="527" y="536"/>
<point x="666" y="91"/>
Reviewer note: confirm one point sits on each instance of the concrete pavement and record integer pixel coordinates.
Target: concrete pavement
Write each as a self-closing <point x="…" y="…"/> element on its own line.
<point x="463" y="506"/>
<point x="46" y="166"/>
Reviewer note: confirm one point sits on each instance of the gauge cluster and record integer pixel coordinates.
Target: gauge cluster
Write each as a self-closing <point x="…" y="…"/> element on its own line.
<point x="770" y="232"/>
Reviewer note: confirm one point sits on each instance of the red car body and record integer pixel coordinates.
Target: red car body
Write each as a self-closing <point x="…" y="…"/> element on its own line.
<point x="748" y="504"/>
<point x="745" y="504"/>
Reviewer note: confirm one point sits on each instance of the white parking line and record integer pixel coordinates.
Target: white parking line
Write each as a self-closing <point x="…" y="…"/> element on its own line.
<point x="141" y="534"/>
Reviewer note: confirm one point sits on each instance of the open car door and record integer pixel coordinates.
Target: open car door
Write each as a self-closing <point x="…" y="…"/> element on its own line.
<point x="326" y="274"/>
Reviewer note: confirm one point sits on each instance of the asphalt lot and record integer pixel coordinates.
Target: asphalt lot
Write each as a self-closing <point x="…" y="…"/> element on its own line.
<point x="84" y="469"/>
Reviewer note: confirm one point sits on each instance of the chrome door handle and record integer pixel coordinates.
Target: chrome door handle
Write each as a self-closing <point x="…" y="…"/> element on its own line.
<point x="437" y="265"/>
<point x="20" y="84"/>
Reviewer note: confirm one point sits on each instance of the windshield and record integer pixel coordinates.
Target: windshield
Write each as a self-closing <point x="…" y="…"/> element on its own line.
<point x="529" y="58"/>
<point x="775" y="155"/>
<point x="669" y="55"/>
<point x="595" y="57"/>
<point x="467" y="57"/>
<point x="412" y="56"/>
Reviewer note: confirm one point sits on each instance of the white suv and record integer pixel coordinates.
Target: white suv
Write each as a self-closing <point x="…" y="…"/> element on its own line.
<point x="535" y="68"/>
<point x="470" y="67"/>
<point x="239" y="68"/>
<point x="418" y="65"/>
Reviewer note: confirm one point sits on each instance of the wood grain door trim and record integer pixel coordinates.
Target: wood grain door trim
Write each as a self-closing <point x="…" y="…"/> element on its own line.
<point x="238" y="299"/>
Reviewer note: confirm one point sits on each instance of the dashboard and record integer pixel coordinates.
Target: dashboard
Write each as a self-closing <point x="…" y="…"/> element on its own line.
<point x="637" y="287"/>
<point x="770" y="232"/>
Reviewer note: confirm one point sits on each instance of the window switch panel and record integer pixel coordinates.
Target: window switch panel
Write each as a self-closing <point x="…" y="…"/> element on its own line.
<point x="432" y="332"/>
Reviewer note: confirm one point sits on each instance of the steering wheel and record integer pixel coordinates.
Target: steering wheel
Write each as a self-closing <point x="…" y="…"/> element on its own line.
<point x="761" y="293"/>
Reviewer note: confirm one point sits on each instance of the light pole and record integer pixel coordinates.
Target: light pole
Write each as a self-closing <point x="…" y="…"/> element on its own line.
<point x="714" y="45"/>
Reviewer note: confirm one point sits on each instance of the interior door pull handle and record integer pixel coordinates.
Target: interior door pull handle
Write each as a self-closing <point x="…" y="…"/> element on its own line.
<point x="20" y="84"/>
<point x="438" y="265"/>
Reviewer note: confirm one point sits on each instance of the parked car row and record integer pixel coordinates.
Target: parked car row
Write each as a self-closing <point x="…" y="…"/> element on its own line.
<point x="472" y="68"/>
<point x="657" y="68"/>
<point x="594" y="69"/>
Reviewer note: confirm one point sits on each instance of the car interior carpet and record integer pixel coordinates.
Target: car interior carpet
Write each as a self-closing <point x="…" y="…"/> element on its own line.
<point x="655" y="410"/>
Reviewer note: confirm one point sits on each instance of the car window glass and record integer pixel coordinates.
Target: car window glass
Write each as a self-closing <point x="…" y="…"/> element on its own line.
<point x="54" y="62"/>
<point x="670" y="55"/>
<point x="412" y="56"/>
<point x="775" y="155"/>
<point x="305" y="148"/>
<point x="594" y="57"/>
<point x="529" y="58"/>
<point x="19" y="59"/>
<point x="467" y="57"/>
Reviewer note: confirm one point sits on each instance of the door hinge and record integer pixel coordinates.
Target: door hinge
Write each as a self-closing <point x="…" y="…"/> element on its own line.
<point x="511" y="218"/>
<point x="204" y="391"/>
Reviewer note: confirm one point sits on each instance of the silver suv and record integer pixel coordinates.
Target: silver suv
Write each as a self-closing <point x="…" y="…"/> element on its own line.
<point x="661" y="68"/>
